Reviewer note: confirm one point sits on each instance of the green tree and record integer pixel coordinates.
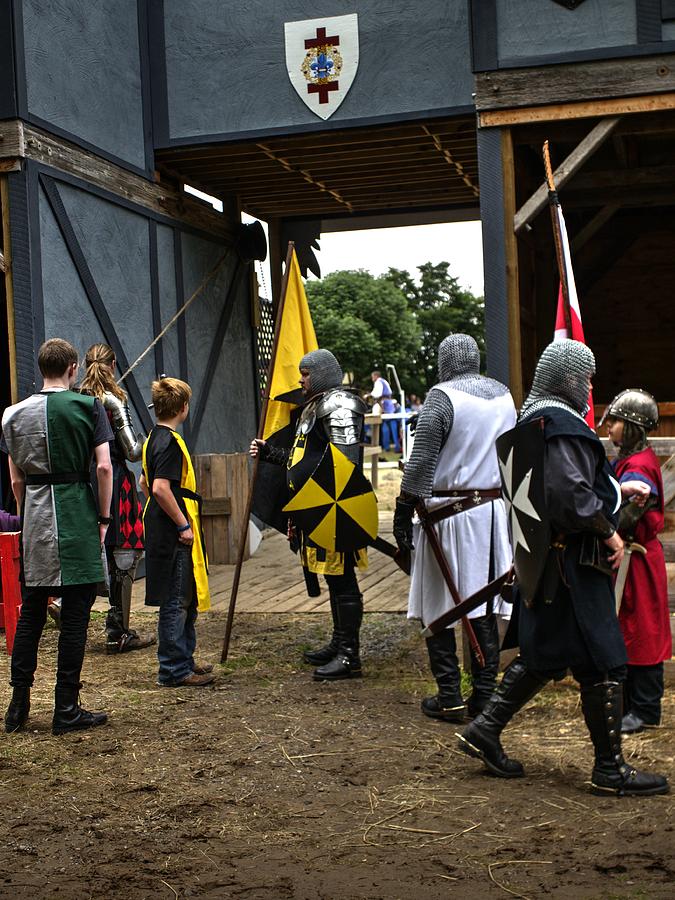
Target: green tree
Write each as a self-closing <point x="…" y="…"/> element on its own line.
<point x="366" y="321"/>
<point x="440" y="306"/>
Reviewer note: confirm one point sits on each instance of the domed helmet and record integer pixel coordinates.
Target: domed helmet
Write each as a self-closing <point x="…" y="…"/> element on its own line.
<point x="636" y="406"/>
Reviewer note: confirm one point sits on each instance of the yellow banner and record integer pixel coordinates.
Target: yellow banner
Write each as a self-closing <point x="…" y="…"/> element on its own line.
<point x="296" y="337"/>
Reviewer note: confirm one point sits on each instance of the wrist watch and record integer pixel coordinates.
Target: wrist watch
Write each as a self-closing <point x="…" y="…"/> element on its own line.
<point x="104" y="520"/>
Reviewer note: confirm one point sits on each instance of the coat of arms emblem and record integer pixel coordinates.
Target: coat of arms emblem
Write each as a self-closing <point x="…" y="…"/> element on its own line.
<point x="322" y="56"/>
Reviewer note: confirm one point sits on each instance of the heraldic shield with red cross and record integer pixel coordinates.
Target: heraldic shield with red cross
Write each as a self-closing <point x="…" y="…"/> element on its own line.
<point x="322" y="56"/>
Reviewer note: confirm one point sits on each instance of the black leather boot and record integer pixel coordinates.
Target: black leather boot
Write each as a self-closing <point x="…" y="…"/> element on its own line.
<point x="480" y="739"/>
<point x="18" y="709"/>
<point x="484" y="681"/>
<point x="447" y="704"/>
<point x="603" y="705"/>
<point x="346" y="663"/>
<point x="69" y="715"/>
<point x="325" y="654"/>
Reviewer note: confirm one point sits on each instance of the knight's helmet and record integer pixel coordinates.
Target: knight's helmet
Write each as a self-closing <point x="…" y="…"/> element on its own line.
<point x="324" y="370"/>
<point x="458" y="355"/>
<point x="636" y="406"/>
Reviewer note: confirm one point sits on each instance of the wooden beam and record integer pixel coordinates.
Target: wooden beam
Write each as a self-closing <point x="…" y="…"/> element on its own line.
<point x="511" y="256"/>
<point x="644" y="176"/>
<point x="9" y="288"/>
<point x="341" y="137"/>
<point x="12" y="139"/>
<point x="571" y="82"/>
<point x="591" y="228"/>
<point x="583" y="110"/>
<point x="583" y="151"/>
<point x="19" y="141"/>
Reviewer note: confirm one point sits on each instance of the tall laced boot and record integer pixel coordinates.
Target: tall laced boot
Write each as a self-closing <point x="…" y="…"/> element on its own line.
<point x="480" y="739"/>
<point x="69" y="715"/>
<point x="346" y="663"/>
<point x="325" y="654"/>
<point x="484" y="680"/>
<point x="603" y="705"/>
<point x="447" y="704"/>
<point x="18" y="709"/>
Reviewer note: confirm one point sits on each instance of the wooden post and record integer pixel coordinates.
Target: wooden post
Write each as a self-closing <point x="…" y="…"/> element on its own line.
<point x="243" y="540"/>
<point x="9" y="287"/>
<point x="511" y="254"/>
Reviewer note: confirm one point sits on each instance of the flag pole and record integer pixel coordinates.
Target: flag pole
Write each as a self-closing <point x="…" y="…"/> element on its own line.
<point x="557" y="238"/>
<point x="254" y="475"/>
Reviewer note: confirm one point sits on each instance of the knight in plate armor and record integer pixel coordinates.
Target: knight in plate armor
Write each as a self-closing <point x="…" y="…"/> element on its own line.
<point x="331" y="414"/>
<point x="565" y="616"/>
<point x="124" y="539"/>
<point x="453" y="471"/>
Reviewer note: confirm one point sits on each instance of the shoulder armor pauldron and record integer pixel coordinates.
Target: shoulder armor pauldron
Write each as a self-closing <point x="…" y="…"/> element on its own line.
<point x="125" y="435"/>
<point x="337" y="399"/>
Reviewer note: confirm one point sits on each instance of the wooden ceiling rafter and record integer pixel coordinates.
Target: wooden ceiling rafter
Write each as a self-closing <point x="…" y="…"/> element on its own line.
<point x="308" y="177"/>
<point x="459" y="168"/>
<point x="408" y="166"/>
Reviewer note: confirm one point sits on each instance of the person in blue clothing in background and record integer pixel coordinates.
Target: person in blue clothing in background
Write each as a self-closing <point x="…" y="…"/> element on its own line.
<point x="381" y="395"/>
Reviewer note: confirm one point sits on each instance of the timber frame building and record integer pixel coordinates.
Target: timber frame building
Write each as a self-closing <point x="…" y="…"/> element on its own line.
<point x="107" y="109"/>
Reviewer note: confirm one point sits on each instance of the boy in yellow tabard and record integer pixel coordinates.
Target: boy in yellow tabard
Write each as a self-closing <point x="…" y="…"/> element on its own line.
<point x="175" y="557"/>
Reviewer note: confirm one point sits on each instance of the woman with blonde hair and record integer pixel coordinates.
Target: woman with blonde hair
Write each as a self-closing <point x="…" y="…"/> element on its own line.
<point x="124" y="540"/>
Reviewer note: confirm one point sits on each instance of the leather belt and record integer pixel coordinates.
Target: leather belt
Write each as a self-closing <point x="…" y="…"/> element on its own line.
<point x="58" y="478"/>
<point x="464" y="500"/>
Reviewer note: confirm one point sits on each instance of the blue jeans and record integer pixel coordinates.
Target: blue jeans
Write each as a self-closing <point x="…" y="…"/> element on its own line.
<point x="176" y="636"/>
<point x="389" y="434"/>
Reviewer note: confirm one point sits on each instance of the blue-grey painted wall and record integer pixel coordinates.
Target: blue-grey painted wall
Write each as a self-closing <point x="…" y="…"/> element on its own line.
<point x="226" y="70"/>
<point x="115" y="242"/>
<point x="82" y="71"/>
<point x="529" y="28"/>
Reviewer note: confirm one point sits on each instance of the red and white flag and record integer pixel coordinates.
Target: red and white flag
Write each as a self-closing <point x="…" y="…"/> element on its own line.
<point x="576" y="331"/>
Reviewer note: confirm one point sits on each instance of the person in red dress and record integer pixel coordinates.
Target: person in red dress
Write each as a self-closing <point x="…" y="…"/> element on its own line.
<point x="643" y="614"/>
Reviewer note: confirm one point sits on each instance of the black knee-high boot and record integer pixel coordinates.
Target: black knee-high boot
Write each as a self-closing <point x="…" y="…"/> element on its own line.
<point x="484" y="680"/>
<point x="346" y="663"/>
<point x="480" y="739"/>
<point x="602" y="704"/>
<point x="325" y="654"/>
<point x="448" y="703"/>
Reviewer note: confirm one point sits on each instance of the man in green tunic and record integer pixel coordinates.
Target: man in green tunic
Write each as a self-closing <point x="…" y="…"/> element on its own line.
<point x="50" y="438"/>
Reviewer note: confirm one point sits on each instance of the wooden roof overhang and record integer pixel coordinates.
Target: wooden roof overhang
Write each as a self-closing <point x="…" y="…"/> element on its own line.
<point x="424" y="165"/>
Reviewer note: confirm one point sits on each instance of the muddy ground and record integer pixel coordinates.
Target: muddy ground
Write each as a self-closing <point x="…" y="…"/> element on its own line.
<point x="269" y="786"/>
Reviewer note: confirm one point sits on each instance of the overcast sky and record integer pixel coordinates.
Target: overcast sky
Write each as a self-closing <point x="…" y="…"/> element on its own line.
<point x="378" y="249"/>
<point x="406" y="248"/>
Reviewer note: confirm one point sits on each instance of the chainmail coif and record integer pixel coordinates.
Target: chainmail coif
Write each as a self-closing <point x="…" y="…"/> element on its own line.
<point x="458" y="366"/>
<point x="561" y="379"/>
<point x="324" y="370"/>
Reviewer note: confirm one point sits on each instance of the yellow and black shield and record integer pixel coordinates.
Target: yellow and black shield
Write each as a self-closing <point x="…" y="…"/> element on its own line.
<point x="335" y="507"/>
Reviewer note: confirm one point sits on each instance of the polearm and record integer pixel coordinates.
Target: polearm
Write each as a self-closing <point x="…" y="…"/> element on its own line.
<point x="254" y="475"/>
<point x="435" y="545"/>
<point x="557" y="238"/>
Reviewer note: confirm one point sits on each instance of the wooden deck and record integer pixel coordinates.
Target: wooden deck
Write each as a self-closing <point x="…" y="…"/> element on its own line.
<point x="272" y="582"/>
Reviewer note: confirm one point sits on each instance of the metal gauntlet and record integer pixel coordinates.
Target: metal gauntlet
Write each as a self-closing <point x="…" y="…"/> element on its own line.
<point x="125" y="435"/>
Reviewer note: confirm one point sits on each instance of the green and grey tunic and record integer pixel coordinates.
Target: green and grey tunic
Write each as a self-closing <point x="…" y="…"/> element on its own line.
<point x="51" y="436"/>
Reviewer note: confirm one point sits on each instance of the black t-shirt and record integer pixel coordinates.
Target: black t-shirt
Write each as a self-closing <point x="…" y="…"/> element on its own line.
<point x="164" y="457"/>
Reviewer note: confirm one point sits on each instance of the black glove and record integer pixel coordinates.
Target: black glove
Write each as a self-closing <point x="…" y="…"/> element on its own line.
<point x="403" y="524"/>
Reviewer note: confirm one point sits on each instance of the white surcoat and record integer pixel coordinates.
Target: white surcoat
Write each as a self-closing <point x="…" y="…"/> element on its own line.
<point x="468" y="459"/>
